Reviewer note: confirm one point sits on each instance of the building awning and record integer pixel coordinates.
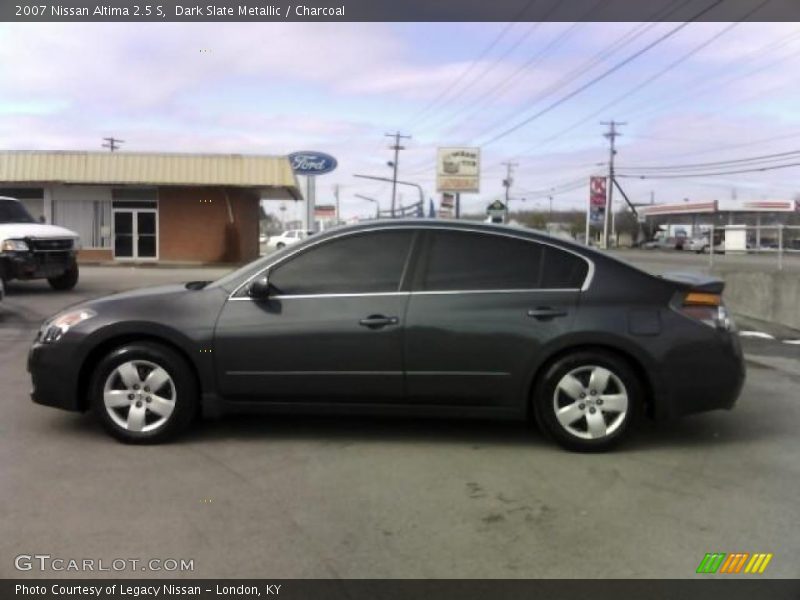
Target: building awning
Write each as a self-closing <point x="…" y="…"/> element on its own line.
<point x="272" y="174"/>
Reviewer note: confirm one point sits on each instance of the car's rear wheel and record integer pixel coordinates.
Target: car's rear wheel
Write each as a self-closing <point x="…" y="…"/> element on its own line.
<point x="144" y="393"/>
<point x="588" y="401"/>
<point x="67" y="280"/>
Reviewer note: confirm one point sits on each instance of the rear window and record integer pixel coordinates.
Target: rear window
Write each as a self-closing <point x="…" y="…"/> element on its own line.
<point x="459" y="260"/>
<point x="562" y="270"/>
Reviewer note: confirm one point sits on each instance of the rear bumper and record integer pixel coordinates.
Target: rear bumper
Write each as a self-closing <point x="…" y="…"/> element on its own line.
<point x="54" y="375"/>
<point x="35" y="265"/>
<point x="707" y="375"/>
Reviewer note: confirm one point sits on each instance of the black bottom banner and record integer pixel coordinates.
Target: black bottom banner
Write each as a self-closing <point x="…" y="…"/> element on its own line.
<point x="403" y="589"/>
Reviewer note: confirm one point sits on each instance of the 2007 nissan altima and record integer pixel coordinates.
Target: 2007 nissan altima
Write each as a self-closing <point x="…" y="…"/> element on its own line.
<point x="423" y="318"/>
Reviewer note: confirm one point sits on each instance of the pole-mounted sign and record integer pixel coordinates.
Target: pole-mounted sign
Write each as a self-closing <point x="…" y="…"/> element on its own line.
<point x="310" y="164"/>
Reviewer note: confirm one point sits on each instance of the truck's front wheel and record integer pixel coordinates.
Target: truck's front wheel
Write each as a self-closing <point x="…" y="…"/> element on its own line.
<point x="67" y="280"/>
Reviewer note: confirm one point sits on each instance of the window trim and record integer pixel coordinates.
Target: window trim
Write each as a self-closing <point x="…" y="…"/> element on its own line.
<point x="305" y="248"/>
<point x="416" y="241"/>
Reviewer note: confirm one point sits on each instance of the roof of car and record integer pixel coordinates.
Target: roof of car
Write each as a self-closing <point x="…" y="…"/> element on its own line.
<point x="462" y="224"/>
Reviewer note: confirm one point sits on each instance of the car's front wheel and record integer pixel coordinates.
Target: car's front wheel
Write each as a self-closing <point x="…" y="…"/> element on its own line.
<point x="588" y="400"/>
<point x="144" y="393"/>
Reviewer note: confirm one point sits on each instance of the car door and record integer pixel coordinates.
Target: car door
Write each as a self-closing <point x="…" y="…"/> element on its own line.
<point x="331" y="328"/>
<point x="482" y="306"/>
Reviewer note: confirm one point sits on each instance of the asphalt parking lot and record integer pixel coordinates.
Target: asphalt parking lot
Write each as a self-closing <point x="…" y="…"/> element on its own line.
<point x="299" y="497"/>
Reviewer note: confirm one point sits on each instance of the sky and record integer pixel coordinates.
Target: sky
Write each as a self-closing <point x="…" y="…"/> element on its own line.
<point x="707" y="92"/>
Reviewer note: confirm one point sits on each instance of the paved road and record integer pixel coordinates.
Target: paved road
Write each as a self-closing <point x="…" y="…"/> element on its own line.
<point x="332" y="497"/>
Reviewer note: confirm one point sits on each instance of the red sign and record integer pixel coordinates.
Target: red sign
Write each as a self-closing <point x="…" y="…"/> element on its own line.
<point x="597" y="191"/>
<point x="446" y="206"/>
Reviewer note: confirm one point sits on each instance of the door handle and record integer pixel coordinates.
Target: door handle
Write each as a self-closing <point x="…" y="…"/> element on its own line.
<point x="378" y="321"/>
<point x="546" y="312"/>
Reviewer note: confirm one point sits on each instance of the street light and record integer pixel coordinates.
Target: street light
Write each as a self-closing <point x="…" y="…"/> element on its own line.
<point x="419" y="187"/>
<point x="374" y="201"/>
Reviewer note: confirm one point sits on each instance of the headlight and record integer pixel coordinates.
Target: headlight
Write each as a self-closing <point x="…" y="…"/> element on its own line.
<point x="14" y="246"/>
<point x="54" y="330"/>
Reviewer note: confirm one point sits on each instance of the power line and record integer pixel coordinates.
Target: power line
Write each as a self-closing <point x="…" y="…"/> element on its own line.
<point x="483" y="74"/>
<point x="703" y="85"/>
<point x="612" y="48"/>
<point x="448" y="88"/>
<point x="600" y="77"/>
<point x="719" y="163"/>
<point x="649" y="80"/>
<point x="687" y="175"/>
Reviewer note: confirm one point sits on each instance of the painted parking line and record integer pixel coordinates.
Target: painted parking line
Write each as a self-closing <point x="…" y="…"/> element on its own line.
<point x="793" y="342"/>
<point x="756" y="334"/>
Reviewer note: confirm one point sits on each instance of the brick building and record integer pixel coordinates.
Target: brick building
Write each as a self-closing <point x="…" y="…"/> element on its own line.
<point x="149" y="207"/>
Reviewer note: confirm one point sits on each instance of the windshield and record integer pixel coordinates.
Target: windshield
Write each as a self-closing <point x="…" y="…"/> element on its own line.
<point x="12" y="211"/>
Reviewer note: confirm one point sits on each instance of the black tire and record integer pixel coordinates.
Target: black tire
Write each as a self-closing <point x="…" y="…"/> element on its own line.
<point x="279" y="246"/>
<point x="618" y="424"/>
<point x="181" y="390"/>
<point x="67" y="280"/>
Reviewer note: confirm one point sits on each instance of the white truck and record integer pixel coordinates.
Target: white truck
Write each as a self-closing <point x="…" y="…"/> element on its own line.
<point x="33" y="250"/>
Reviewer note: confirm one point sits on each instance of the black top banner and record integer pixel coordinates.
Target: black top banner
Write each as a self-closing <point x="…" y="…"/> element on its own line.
<point x="400" y="10"/>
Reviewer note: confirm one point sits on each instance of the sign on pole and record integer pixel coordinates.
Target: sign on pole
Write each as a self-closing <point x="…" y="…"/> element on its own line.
<point x="458" y="170"/>
<point x="446" y="206"/>
<point x="496" y="211"/>
<point x="311" y="164"/>
<point x="597" y="199"/>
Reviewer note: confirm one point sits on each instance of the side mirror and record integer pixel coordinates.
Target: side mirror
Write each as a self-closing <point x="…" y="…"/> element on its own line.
<point x="259" y="288"/>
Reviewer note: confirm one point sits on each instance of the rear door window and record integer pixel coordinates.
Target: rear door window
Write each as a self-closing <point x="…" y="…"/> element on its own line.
<point x="467" y="261"/>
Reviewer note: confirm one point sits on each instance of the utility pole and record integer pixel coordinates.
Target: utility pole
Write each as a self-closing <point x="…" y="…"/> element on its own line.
<point x="112" y="143"/>
<point x="336" y="194"/>
<point x="508" y="182"/>
<point x="396" y="147"/>
<point x="611" y="134"/>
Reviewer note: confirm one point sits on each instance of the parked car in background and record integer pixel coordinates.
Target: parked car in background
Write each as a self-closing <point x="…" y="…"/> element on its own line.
<point x="33" y="250"/>
<point x="287" y="238"/>
<point x="412" y="317"/>
<point x="664" y="243"/>
<point x="701" y="244"/>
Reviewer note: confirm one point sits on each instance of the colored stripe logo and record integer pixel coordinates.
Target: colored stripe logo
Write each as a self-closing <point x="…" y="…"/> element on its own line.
<point x="734" y="563"/>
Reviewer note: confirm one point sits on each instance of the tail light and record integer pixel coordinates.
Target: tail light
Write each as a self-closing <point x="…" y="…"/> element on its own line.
<point x="707" y="308"/>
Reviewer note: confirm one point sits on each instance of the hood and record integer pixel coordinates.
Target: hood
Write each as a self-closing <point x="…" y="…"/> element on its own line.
<point x="147" y="292"/>
<point x="18" y="231"/>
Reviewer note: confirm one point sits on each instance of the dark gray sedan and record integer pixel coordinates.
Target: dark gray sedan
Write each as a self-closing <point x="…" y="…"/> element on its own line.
<point x="425" y="318"/>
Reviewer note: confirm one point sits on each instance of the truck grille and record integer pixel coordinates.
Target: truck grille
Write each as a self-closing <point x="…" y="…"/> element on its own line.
<point x="51" y="245"/>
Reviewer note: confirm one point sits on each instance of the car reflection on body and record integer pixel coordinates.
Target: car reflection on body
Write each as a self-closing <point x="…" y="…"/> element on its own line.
<point x="424" y="318"/>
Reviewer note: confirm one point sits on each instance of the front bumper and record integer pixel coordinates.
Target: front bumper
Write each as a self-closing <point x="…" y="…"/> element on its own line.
<point x="35" y="265"/>
<point x="54" y="372"/>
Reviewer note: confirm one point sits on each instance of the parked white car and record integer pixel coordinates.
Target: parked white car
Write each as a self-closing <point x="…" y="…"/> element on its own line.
<point x="287" y="238"/>
<point x="701" y="244"/>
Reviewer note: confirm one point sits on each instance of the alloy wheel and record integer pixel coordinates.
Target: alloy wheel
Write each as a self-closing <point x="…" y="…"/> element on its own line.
<point x="590" y="402"/>
<point x="139" y="396"/>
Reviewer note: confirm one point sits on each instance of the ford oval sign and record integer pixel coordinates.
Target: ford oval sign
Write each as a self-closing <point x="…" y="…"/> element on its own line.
<point x="312" y="163"/>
